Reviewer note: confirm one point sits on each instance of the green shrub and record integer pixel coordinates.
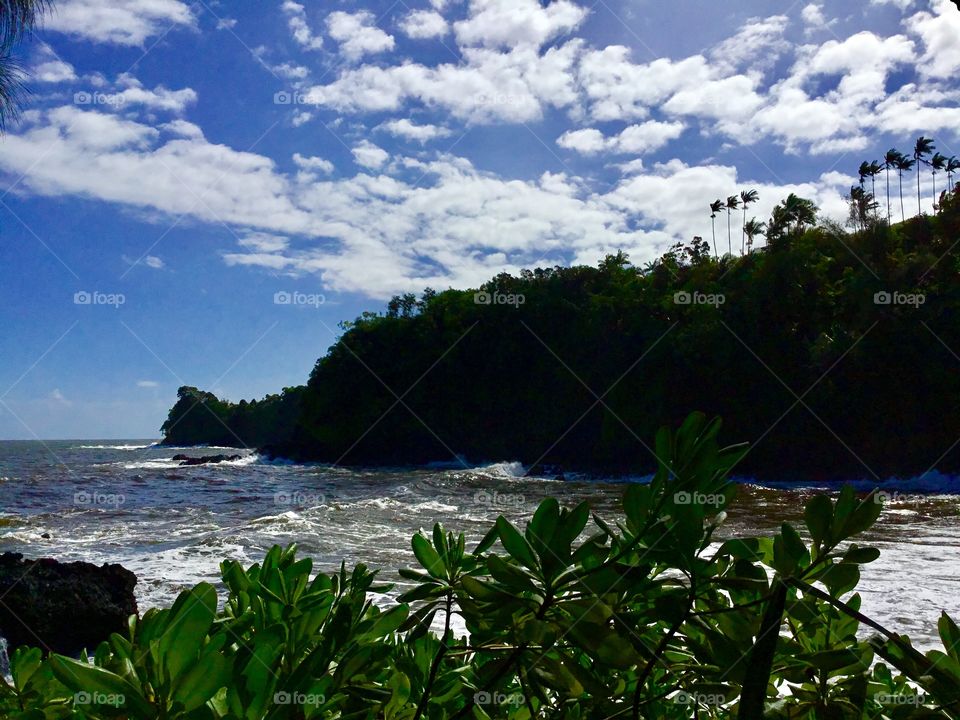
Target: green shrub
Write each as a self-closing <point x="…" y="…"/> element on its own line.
<point x="571" y="617"/>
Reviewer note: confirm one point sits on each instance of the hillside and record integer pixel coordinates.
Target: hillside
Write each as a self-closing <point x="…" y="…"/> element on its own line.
<point x="834" y="352"/>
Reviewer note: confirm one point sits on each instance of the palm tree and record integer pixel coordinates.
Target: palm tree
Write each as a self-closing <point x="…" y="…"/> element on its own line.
<point x="890" y="161"/>
<point x="715" y="207"/>
<point x="952" y="166"/>
<point x="733" y="202"/>
<point x="923" y="147"/>
<point x="752" y="228"/>
<point x="875" y="169"/>
<point x="799" y="211"/>
<point x="747" y="197"/>
<point x="904" y="164"/>
<point x="17" y="18"/>
<point x="937" y="162"/>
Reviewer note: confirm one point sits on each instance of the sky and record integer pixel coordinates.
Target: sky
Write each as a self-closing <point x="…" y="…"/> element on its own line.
<point x="197" y="193"/>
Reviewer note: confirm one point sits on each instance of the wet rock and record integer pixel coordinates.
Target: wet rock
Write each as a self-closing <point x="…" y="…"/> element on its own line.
<point x="63" y="607"/>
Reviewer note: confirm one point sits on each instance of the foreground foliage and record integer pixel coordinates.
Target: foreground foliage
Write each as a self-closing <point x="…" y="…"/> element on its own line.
<point x="574" y="617"/>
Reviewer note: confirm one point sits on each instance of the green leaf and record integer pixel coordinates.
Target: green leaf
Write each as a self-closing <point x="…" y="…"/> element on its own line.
<point x="516" y="544"/>
<point x="82" y="677"/>
<point x="427" y="555"/>
<point x="818" y="516"/>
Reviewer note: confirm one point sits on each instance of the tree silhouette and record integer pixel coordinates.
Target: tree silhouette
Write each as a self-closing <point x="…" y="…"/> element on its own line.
<point x="752" y="228"/>
<point x="923" y="147"/>
<point x="904" y="164"/>
<point x="715" y="207"/>
<point x="17" y="18"/>
<point x="890" y="161"/>
<point x="733" y="202"/>
<point x="937" y="162"/>
<point x="747" y="197"/>
<point x="952" y="166"/>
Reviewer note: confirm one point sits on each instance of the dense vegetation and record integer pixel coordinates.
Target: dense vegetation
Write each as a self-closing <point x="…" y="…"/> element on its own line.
<point x="646" y="616"/>
<point x="834" y="351"/>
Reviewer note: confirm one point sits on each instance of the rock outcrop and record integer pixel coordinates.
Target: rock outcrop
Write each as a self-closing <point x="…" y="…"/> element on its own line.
<point x="63" y="607"/>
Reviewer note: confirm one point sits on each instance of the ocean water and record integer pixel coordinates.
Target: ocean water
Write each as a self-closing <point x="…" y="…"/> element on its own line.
<point x="128" y="502"/>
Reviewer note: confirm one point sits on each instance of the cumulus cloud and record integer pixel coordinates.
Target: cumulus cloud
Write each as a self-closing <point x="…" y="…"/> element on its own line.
<point x="638" y="139"/>
<point x="120" y="22"/>
<point x="940" y="33"/>
<point x="513" y="23"/>
<point x="357" y="34"/>
<point x="313" y="164"/>
<point x="297" y="22"/>
<point x="422" y="24"/>
<point x="408" y="130"/>
<point x="370" y="156"/>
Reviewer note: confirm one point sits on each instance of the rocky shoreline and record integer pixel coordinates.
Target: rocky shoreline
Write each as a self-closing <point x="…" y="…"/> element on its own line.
<point x="63" y="607"/>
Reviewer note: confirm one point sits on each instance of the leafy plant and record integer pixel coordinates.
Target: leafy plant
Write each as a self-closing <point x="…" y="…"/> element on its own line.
<point x="573" y="616"/>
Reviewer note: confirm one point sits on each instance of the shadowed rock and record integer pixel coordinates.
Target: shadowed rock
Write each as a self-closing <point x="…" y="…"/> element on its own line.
<point x="205" y="460"/>
<point x="63" y="607"/>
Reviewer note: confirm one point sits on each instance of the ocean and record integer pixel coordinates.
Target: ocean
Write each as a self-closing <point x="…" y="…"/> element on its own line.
<point x="129" y="502"/>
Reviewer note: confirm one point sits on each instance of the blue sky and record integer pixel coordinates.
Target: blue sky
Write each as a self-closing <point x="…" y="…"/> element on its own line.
<point x="179" y="167"/>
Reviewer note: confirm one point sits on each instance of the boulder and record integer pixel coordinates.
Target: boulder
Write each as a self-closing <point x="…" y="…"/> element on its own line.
<point x="63" y="607"/>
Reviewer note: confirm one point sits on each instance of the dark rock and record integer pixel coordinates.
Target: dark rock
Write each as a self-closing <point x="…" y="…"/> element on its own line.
<point x="206" y="459"/>
<point x="63" y="607"/>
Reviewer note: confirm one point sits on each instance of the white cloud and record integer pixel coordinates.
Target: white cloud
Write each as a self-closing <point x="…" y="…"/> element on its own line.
<point x="422" y="24"/>
<point x="147" y="383"/>
<point x="450" y="224"/>
<point x="58" y="397"/>
<point x="313" y="164"/>
<point x="513" y="23"/>
<point x="814" y="20"/>
<point x="152" y="261"/>
<point x="410" y="131"/>
<point x="226" y="23"/>
<point x="121" y="22"/>
<point x="49" y="68"/>
<point x="357" y="34"/>
<point x="160" y="98"/>
<point x="637" y="139"/>
<point x="940" y="33"/>
<point x="757" y="45"/>
<point x="297" y="22"/>
<point x="370" y="156"/>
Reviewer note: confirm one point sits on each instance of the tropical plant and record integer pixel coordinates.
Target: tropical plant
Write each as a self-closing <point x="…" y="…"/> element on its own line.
<point x="747" y="198"/>
<point x="937" y="163"/>
<point x="890" y="160"/>
<point x="903" y="164"/>
<point x="923" y="147"/>
<point x="953" y="164"/>
<point x="863" y="206"/>
<point x="753" y="228"/>
<point x="733" y="202"/>
<point x="650" y="615"/>
<point x="17" y="18"/>
<point x="715" y="207"/>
